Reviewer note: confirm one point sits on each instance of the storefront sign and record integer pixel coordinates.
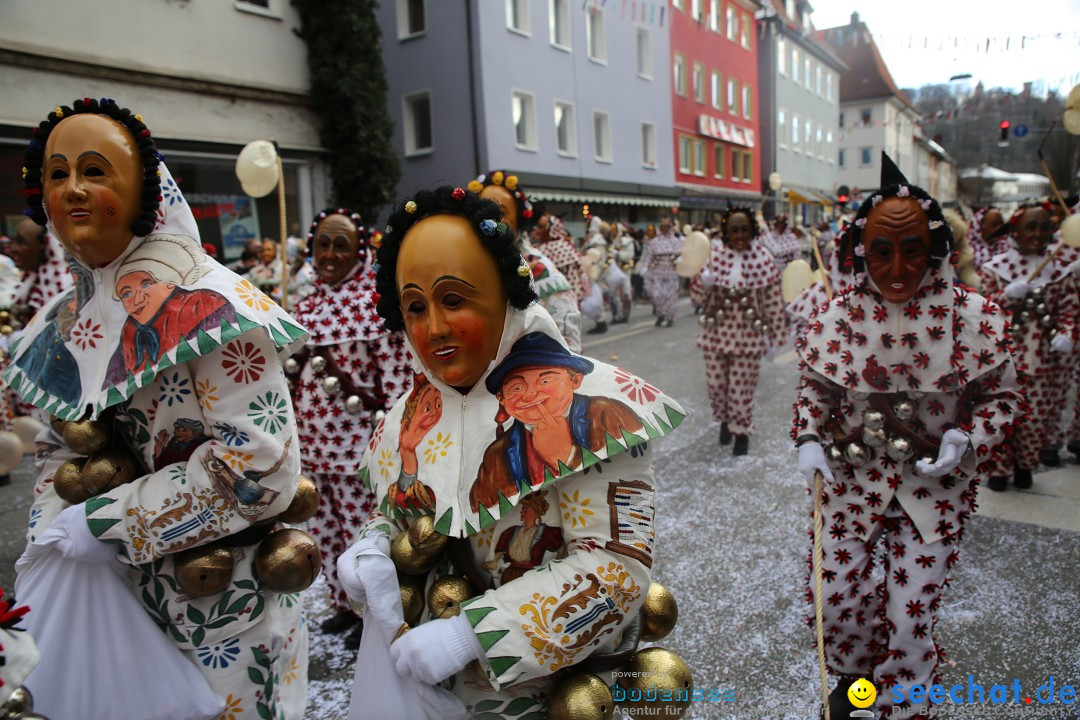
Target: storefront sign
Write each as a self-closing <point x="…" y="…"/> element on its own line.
<point x="722" y="130"/>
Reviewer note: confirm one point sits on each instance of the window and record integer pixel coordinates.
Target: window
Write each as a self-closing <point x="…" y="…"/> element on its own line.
<point x="684" y="154"/>
<point x="732" y="23"/>
<point x="744" y="36"/>
<point x="679" y="68"/>
<point x="840" y="158"/>
<point x="565" y="129"/>
<point x="695" y="10"/>
<point x="747" y="105"/>
<point x="417" y="126"/>
<point x="864" y="116"/>
<point x="594" y="35"/>
<point x="264" y="4"/>
<point x="829" y="146"/>
<point x="699" y="158"/>
<point x="517" y="16"/>
<point x="648" y="145"/>
<point x="736" y="165"/>
<point x="718" y="161"/>
<point x="795" y="130"/>
<point x="828" y="86"/>
<point x="808" y="138"/>
<point x="559" y="23"/>
<point x="714" y="15"/>
<point x="865" y="156"/>
<point x="781" y="126"/>
<point x="717" y="90"/>
<point x="699" y="82"/>
<point x="411" y="18"/>
<point x="781" y="56"/>
<point x="678" y="4"/>
<point x="841" y="119"/>
<point x="819" y="136"/>
<point x="601" y="136"/>
<point x="644" y="53"/>
<point x="817" y="80"/>
<point x="733" y="96"/>
<point x="523" y="108"/>
<point x="748" y="166"/>
<point x="806" y="73"/>
<point x="266" y="8"/>
<point x="795" y="65"/>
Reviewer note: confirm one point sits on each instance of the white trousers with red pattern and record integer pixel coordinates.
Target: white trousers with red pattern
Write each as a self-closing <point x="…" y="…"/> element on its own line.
<point x="883" y="628"/>
<point x="344" y="505"/>
<point x="664" y="292"/>
<point x="732" y="381"/>
<point x="1041" y="426"/>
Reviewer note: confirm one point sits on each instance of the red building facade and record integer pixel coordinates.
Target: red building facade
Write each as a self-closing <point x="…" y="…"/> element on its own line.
<point x="715" y="104"/>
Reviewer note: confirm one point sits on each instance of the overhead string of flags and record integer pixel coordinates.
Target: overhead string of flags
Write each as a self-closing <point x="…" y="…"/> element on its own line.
<point x="976" y="43"/>
<point x="641" y="11"/>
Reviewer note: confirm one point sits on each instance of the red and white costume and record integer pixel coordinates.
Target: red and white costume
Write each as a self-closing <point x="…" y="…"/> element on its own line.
<point x="981" y="248"/>
<point x="346" y="330"/>
<point x="658" y="263"/>
<point x="782" y="245"/>
<point x="565" y="257"/>
<point x="810" y="300"/>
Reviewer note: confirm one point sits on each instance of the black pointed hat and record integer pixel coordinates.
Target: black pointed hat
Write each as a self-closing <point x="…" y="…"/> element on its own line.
<point x="890" y="174"/>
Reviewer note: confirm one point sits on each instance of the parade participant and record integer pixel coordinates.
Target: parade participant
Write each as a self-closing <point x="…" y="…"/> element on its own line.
<point x="45" y="274"/>
<point x="907" y="381"/>
<point x="742" y="318"/>
<point x="350" y="370"/>
<point x="658" y="264"/>
<point x="302" y="275"/>
<point x="552" y="287"/>
<point x="551" y="238"/>
<point x="612" y="282"/>
<point x="837" y="272"/>
<point x="201" y="414"/>
<point x="1043" y="313"/>
<point x="267" y="274"/>
<point x="781" y="242"/>
<point x="987" y="234"/>
<point x="507" y="452"/>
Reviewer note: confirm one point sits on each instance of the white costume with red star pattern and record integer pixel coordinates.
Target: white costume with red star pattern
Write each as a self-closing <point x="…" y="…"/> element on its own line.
<point x="658" y="265"/>
<point x="946" y="350"/>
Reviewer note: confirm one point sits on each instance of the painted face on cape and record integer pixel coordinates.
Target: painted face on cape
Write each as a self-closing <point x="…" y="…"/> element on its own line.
<point x="536" y="395"/>
<point x="991" y="223"/>
<point x="739" y="232"/>
<point x="897" y="244"/>
<point x="505" y="200"/>
<point x="26" y="246"/>
<point x="92" y="187"/>
<point x="335" y="248"/>
<point x="1034" y="231"/>
<point x="452" y="299"/>
<point x="142" y="295"/>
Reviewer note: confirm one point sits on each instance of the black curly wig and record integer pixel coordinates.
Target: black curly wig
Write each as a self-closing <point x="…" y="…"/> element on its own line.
<point x="755" y="231"/>
<point x="484" y="215"/>
<point x="151" y="159"/>
<point x="526" y="218"/>
<point x="365" y="236"/>
<point x="941" y="239"/>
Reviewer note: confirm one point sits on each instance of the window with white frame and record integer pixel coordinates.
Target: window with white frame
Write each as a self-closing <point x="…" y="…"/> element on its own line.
<point x="733" y="96"/>
<point x="644" y="52"/>
<point x="819" y="136"/>
<point x="781" y="126"/>
<point x="699" y="83"/>
<point x="517" y="16"/>
<point x="601" y="136"/>
<point x="714" y="16"/>
<point x="808" y="137"/>
<point x="865" y="156"/>
<point x="678" y="4"/>
<point x="416" y="123"/>
<point x="747" y="103"/>
<point x="648" y="145"/>
<point x="829" y="146"/>
<point x="828" y="86"/>
<point x="817" y="80"/>
<point x="744" y="32"/>
<point x="685" y="160"/>
<point x="866" y="116"/>
<point x="781" y="56"/>
<point x="594" y="35"/>
<point x="736" y="165"/>
<point x="795" y="65"/>
<point x="559" y="23"/>
<point x="732" y="17"/>
<point x="807" y="79"/>
<point x="717" y="86"/>
<point x="411" y="18"/>
<point x="565" y="129"/>
<point x="699" y="158"/>
<point x="523" y="112"/>
<point x="258" y="7"/>
<point x="841" y="119"/>
<point x="695" y="10"/>
<point x="748" y="166"/>
<point x="796" y="131"/>
<point x="678" y="67"/>
<point x="718" y="161"/>
<point x="840" y="158"/>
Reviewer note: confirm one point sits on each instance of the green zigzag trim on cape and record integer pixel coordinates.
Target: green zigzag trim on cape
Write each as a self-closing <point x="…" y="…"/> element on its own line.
<point x="502" y="663"/>
<point x="443" y="525"/>
<point x="475" y="615"/>
<point x="98" y="526"/>
<point x="365" y="477"/>
<point x="490" y="637"/>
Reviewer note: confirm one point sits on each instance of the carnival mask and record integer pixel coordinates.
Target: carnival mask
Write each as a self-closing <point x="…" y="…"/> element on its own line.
<point x="896" y="239"/>
<point x="92" y="187"/>
<point x="1033" y="232"/>
<point x="992" y="224"/>
<point x="505" y="200"/>
<point x="738" y="232"/>
<point x="452" y="299"/>
<point x="335" y="249"/>
<point x="27" y="246"/>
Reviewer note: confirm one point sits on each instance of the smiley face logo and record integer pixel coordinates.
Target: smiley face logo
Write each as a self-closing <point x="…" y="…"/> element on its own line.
<point x="862" y="693"/>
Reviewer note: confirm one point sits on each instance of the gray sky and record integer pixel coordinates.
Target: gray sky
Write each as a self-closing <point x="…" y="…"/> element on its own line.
<point x="949" y="37"/>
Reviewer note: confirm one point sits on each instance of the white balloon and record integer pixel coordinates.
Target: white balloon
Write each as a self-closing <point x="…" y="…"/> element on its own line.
<point x="27" y="428"/>
<point x="11" y="451"/>
<point x="256" y="168"/>
<point x="694" y="255"/>
<point x="1070" y="231"/>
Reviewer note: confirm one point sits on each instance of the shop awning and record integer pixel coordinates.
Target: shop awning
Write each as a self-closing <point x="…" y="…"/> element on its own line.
<point x="585" y="196"/>
<point x="795" y="196"/>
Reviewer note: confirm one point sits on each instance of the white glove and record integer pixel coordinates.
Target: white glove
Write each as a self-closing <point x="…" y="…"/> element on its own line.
<point x="1062" y="344"/>
<point x="954" y="444"/>
<point x="1017" y="289"/>
<point x="707" y="279"/>
<point x="348" y="563"/>
<point x="436" y="650"/>
<point x="80" y="543"/>
<point x="811" y="460"/>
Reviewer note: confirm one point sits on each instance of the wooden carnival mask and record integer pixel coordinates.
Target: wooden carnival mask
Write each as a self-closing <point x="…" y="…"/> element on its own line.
<point x="1033" y="231"/>
<point x="896" y="240"/>
<point x="452" y="299"/>
<point x="92" y="187"/>
<point x="739" y="232"/>
<point x="335" y="248"/>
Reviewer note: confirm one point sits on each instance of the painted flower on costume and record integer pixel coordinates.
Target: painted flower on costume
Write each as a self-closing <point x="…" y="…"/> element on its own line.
<point x="243" y="362"/>
<point x="270" y="412"/>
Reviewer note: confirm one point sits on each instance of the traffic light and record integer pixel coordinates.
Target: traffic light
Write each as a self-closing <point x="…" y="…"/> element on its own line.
<point x="1004" y="127"/>
<point x="842" y="194"/>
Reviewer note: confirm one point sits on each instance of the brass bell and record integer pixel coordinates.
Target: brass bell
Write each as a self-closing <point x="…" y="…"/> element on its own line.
<point x="659" y="613"/>
<point x="904" y="410"/>
<point x="57" y="425"/>
<point x="1025" y="316"/>
<point x="85" y="437"/>
<point x="1038" y="291"/>
<point x="857" y="455"/>
<point x="291" y="367"/>
<point x="744" y="300"/>
<point x="749" y="313"/>
<point x="580" y="696"/>
<point x="20" y="702"/>
<point x="728" y="302"/>
<point x="1046" y="321"/>
<point x="354" y="405"/>
<point x="424" y="538"/>
<point x="204" y="570"/>
<point x="1041" y="309"/>
<point x="412" y="597"/>
<point x="757" y="325"/>
<point x="899" y="449"/>
<point x="873" y="438"/>
<point x="288" y="561"/>
<point x="712" y="321"/>
<point x="834" y="456"/>
<point x="873" y="420"/>
<point x="407" y="559"/>
<point x="379" y="415"/>
<point x="304" y="503"/>
<point x="107" y="470"/>
<point x="1030" y="302"/>
<point x="68" y="483"/>
<point x="701" y="320"/>
<point x="331" y="385"/>
<point x="6" y="329"/>
<point x="446" y="594"/>
<point x="317" y="363"/>
<point x="660" y="669"/>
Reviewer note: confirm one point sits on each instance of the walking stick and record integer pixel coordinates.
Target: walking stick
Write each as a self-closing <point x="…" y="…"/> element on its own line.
<point x="824" y="270"/>
<point x="284" y="237"/>
<point x="817" y="560"/>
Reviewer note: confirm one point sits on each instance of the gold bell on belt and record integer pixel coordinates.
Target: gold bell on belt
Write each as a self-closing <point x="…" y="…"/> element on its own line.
<point x="659" y="613"/>
<point x="204" y="570"/>
<point x="446" y="595"/>
<point x="304" y="503"/>
<point x="288" y="561"/>
<point x="407" y="559"/>
<point x="68" y="483"/>
<point x="412" y="597"/>
<point x="423" y="537"/>
<point x="651" y="676"/>
<point x="107" y="470"/>
<point x="580" y="696"/>
<point x="85" y="437"/>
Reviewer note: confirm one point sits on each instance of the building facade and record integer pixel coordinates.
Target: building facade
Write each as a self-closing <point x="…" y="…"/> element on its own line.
<point x="241" y="76"/>
<point x="800" y="110"/>
<point x="715" y="105"/>
<point x="573" y="99"/>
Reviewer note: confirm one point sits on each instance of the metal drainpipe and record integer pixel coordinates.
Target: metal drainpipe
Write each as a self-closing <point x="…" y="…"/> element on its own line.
<point x="472" y="88"/>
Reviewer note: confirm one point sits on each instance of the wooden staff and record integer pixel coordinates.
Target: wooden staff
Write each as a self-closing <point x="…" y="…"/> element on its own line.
<point x="820" y="264"/>
<point x="817" y="560"/>
<point x="284" y="238"/>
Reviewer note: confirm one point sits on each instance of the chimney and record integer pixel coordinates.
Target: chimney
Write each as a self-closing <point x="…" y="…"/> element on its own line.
<point x="855" y="18"/>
